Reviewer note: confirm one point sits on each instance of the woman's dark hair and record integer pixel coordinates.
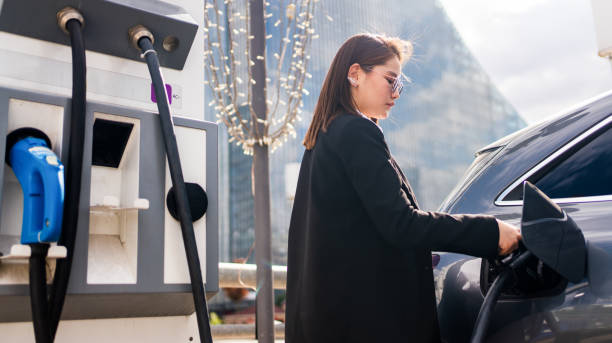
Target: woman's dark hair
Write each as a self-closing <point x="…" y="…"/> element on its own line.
<point x="367" y="50"/>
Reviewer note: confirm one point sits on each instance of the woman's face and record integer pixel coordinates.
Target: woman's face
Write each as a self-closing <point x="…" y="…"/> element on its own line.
<point x="373" y="94"/>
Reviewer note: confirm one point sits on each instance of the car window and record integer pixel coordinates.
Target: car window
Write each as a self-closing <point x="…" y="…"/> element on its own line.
<point x="586" y="172"/>
<point x="481" y="160"/>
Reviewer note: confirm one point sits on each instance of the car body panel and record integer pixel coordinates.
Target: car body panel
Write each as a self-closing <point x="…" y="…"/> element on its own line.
<point x="581" y="311"/>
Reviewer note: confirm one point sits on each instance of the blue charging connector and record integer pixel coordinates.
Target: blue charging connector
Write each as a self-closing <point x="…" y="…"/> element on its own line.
<point x="41" y="176"/>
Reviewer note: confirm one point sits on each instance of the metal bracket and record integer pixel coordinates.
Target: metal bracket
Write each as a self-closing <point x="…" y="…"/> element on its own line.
<point x="20" y="253"/>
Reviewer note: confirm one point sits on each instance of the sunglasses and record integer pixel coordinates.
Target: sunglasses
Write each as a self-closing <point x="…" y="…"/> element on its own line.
<point x="397" y="84"/>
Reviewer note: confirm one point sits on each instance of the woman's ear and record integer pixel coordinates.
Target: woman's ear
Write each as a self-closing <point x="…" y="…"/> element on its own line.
<point x="353" y="74"/>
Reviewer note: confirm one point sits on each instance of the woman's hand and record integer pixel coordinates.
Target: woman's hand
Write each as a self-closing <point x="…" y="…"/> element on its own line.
<point x="509" y="237"/>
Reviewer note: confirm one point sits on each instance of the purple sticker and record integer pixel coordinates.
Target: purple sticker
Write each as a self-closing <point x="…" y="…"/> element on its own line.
<point x="168" y="90"/>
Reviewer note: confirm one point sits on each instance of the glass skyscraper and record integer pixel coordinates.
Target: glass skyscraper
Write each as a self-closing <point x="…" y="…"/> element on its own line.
<point x="448" y="111"/>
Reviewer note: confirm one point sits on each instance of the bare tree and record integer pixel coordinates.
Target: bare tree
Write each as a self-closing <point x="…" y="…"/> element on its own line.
<point x="258" y="111"/>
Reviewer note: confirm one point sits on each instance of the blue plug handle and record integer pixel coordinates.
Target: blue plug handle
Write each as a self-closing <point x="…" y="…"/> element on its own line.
<point x="41" y="176"/>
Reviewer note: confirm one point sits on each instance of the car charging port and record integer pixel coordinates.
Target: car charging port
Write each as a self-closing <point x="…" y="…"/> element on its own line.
<point x="533" y="279"/>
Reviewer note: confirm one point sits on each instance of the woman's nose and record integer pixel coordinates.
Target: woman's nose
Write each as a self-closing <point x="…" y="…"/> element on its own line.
<point x="395" y="94"/>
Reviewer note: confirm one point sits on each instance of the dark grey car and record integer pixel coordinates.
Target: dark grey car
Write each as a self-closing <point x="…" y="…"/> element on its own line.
<point x="569" y="158"/>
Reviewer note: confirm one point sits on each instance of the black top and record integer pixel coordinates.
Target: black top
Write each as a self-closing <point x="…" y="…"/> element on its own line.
<point x="359" y="264"/>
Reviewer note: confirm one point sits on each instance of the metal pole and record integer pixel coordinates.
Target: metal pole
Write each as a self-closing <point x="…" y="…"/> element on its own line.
<point x="241" y="331"/>
<point x="238" y="275"/>
<point x="261" y="180"/>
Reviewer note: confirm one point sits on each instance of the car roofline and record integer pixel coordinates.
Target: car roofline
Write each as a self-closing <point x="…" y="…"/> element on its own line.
<point x="545" y="121"/>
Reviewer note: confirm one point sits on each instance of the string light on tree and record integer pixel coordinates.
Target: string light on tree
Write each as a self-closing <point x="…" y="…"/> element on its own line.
<point x="228" y="69"/>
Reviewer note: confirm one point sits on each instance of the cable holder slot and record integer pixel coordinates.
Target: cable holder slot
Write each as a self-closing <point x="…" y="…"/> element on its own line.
<point x="20" y="253"/>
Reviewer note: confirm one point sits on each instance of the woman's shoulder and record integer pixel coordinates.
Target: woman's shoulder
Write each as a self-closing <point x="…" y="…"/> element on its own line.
<point x="350" y="124"/>
<point x="352" y="135"/>
<point x="350" y="132"/>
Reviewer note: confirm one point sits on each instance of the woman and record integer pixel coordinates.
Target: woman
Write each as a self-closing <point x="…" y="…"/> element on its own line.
<point x="359" y="264"/>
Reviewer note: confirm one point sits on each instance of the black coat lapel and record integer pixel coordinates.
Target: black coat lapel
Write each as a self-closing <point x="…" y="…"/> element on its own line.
<point x="405" y="184"/>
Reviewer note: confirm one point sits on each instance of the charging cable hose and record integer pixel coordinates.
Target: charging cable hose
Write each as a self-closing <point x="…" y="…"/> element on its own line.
<point x="71" y="22"/>
<point x="486" y="309"/>
<point x="38" y="292"/>
<point x="143" y="40"/>
<point x="40" y="174"/>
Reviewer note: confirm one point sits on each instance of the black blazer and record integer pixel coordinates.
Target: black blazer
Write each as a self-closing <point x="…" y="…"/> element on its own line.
<point x="359" y="259"/>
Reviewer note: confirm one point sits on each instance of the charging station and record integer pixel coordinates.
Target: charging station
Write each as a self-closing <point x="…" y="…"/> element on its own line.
<point x="129" y="277"/>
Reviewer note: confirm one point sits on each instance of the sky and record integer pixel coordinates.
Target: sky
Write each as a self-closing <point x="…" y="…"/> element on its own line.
<point x="541" y="54"/>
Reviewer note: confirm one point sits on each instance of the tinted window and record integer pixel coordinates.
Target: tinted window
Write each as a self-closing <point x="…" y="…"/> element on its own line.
<point x="586" y="172"/>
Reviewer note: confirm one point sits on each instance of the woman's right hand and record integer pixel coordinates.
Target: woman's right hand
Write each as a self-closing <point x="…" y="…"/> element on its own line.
<point x="509" y="237"/>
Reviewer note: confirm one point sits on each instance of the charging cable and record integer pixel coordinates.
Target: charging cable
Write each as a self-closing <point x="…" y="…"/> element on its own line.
<point x="71" y="22"/>
<point x="143" y="40"/>
<point x="41" y="177"/>
<point x="486" y="309"/>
